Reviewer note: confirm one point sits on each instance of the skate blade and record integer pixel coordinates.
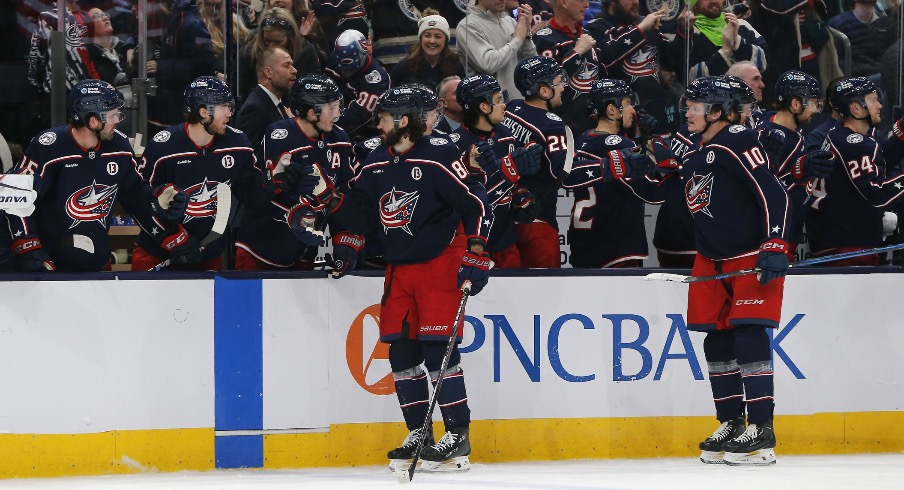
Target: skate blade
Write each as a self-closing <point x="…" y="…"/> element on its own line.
<point x="712" y="457"/>
<point x="461" y="463"/>
<point x="762" y="457"/>
<point x="396" y="465"/>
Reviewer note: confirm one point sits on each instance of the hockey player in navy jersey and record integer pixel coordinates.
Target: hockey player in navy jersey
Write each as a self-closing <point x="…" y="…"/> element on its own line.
<point x="798" y="99"/>
<point x="848" y="210"/>
<point x="434" y="219"/>
<point x="196" y="156"/>
<point x="80" y="170"/>
<point x="364" y="78"/>
<point x="607" y="220"/>
<point x="741" y="220"/>
<point x="310" y="138"/>
<point x="542" y="81"/>
<point x="482" y="133"/>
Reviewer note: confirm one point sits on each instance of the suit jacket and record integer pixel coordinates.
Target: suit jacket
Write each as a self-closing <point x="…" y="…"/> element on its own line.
<point x="256" y="114"/>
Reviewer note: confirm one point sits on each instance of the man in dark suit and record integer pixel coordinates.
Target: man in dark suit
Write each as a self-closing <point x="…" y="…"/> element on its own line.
<point x="275" y="76"/>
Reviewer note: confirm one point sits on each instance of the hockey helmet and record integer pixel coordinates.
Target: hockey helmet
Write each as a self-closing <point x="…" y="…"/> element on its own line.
<point x="349" y="52"/>
<point x="849" y="90"/>
<point x="96" y="97"/>
<point x="713" y="92"/>
<point x="428" y="97"/>
<point x="607" y="91"/>
<point x="403" y="100"/>
<point x="476" y="89"/>
<point x="312" y="91"/>
<point x="797" y="84"/>
<point x="207" y="92"/>
<point x="536" y="70"/>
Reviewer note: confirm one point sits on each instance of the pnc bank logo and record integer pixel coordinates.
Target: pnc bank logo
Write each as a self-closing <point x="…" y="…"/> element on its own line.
<point x="366" y="356"/>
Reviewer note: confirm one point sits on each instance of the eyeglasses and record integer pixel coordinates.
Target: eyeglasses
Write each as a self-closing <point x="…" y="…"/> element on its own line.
<point x="278" y="23"/>
<point x="100" y="16"/>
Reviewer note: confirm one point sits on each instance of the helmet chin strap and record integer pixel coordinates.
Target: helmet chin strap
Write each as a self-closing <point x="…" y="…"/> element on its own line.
<point x="206" y="125"/>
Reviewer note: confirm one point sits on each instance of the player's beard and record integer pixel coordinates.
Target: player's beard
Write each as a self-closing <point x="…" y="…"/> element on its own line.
<point x="622" y="15"/>
<point x="391" y="138"/>
<point x="214" y="129"/>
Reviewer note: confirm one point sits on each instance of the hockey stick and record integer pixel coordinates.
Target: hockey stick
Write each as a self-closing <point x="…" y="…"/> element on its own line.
<point x="405" y="476"/>
<point x="6" y="157"/>
<point x="224" y="203"/>
<point x="664" y="276"/>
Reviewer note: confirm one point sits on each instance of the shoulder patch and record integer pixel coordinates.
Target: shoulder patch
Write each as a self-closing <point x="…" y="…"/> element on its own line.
<point x="47" y="138"/>
<point x="737" y="128"/>
<point x="544" y="32"/>
<point x="613" y="139"/>
<point x="439" y="141"/>
<point x="552" y="116"/>
<point x="779" y="131"/>
<point x="372" y="143"/>
<point x="162" y="136"/>
<point x="855" y="138"/>
<point x="279" y="134"/>
<point x="454" y="137"/>
<point x="373" y="77"/>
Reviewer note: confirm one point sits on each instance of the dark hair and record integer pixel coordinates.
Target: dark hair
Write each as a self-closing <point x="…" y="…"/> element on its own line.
<point x="448" y="60"/>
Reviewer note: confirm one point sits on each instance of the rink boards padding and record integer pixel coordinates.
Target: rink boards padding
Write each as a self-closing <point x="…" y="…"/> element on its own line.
<point x="285" y="370"/>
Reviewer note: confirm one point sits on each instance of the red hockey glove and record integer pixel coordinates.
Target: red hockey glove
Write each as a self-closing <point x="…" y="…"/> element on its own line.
<point x="772" y="260"/>
<point x="346" y="247"/>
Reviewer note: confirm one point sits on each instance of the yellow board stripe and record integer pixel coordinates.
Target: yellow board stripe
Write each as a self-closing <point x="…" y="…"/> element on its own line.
<point x="47" y="455"/>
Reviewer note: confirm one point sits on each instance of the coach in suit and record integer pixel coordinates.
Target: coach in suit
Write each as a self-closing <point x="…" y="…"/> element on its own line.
<point x="275" y="76"/>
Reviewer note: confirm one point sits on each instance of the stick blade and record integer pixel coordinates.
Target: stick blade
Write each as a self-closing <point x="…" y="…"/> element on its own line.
<point x="402" y="475"/>
<point x="665" y="276"/>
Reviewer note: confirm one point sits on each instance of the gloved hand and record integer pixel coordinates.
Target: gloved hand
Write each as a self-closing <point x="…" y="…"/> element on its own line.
<point x="323" y="191"/>
<point x="524" y="206"/>
<point x="482" y="159"/>
<point x="173" y="200"/>
<point x="184" y="250"/>
<point x="303" y="221"/>
<point x="475" y="266"/>
<point x="817" y="164"/>
<point x="345" y="253"/>
<point x="645" y="122"/>
<point x="666" y="162"/>
<point x="897" y="129"/>
<point x="772" y="260"/>
<point x="522" y="161"/>
<point x="772" y="140"/>
<point x="627" y="163"/>
<point x="31" y="256"/>
<point x="298" y="179"/>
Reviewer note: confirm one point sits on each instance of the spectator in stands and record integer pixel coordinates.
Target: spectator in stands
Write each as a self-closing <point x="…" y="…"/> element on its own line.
<point x="451" y="110"/>
<point x="720" y="40"/>
<point x="214" y="16"/>
<point x="275" y="76"/>
<point x="395" y="25"/>
<point x="110" y="55"/>
<point x="431" y="59"/>
<point x="491" y="42"/>
<point x="308" y="25"/>
<point x="335" y="17"/>
<point x="870" y="32"/>
<point x="750" y="74"/>
<point x="362" y="79"/>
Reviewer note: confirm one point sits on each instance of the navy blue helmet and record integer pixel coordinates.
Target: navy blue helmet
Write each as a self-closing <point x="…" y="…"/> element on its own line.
<point x="403" y="100"/>
<point x="312" y="91"/>
<point x="96" y="97"/>
<point x="607" y="91"/>
<point x="349" y="52"/>
<point x="850" y="90"/>
<point x="428" y="97"/>
<point x="534" y="71"/>
<point x="714" y="92"/>
<point x="797" y="84"/>
<point x="741" y="92"/>
<point x="207" y="92"/>
<point x="476" y="89"/>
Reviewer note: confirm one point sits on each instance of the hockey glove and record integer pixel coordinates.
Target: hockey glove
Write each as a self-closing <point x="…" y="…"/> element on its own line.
<point x="626" y="163"/>
<point x="303" y="221"/>
<point x="482" y="159"/>
<point x="31" y="256"/>
<point x="173" y="200"/>
<point x="645" y="122"/>
<point x="475" y="266"/>
<point x="345" y="253"/>
<point x="524" y="206"/>
<point x="772" y="140"/>
<point x="817" y="164"/>
<point x="772" y="260"/>
<point x="522" y="161"/>
<point x="323" y="192"/>
<point x="666" y="162"/>
<point x="298" y="178"/>
<point x="897" y="129"/>
<point x="183" y="249"/>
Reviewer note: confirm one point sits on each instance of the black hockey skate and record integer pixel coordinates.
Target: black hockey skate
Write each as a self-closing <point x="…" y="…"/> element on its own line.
<point x="400" y="457"/>
<point x="756" y="446"/>
<point x="450" y="453"/>
<point x="712" y="448"/>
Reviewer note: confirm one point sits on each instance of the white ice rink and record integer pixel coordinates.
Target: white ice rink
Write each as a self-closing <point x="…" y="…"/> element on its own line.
<point x="792" y="472"/>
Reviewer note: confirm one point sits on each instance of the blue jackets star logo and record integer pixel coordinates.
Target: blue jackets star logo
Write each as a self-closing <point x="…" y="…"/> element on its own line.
<point x="92" y="203"/>
<point x="699" y="191"/>
<point x="202" y="200"/>
<point x="397" y="209"/>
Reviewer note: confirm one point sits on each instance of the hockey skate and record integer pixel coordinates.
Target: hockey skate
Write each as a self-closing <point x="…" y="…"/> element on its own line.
<point x="449" y="454"/>
<point x="711" y="448"/>
<point x="400" y="457"/>
<point x="756" y="446"/>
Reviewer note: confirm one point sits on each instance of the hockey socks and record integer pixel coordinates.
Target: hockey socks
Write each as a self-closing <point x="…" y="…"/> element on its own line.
<point x="411" y="389"/>
<point x="754" y="356"/>
<point x="724" y="375"/>
<point x="453" y="398"/>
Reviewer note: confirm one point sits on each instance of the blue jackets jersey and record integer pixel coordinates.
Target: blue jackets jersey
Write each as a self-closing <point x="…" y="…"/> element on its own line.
<point x="362" y="90"/>
<point x="265" y="234"/>
<point x="674" y="232"/>
<point x="846" y="211"/>
<point x="77" y="188"/>
<point x="735" y="199"/>
<point x="416" y="200"/>
<point x="800" y="191"/>
<point x="173" y="157"/>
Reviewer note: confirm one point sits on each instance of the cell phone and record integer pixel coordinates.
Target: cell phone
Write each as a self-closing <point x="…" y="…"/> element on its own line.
<point x="257" y="5"/>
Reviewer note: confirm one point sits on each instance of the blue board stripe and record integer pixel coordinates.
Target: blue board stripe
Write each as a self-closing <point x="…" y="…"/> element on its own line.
<point x="238" y="370"/>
